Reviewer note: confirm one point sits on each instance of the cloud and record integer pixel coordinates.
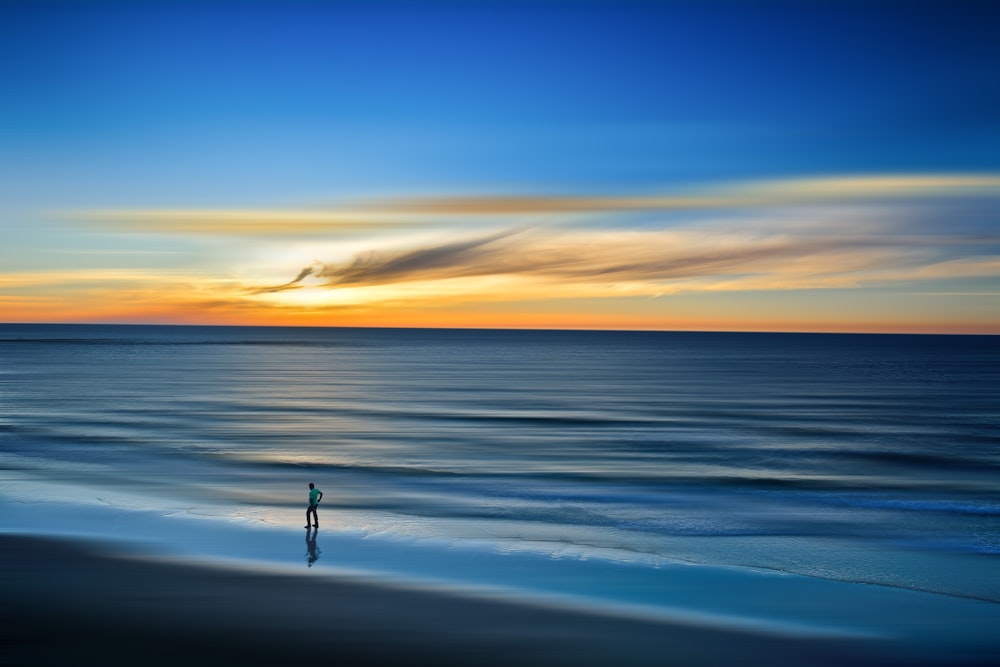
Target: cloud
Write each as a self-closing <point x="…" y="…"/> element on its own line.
<point x="292" y="284"/>
<point x="776" y="254"/>
<point x="433" y="257"/>
<point x="265" y="223"/>
<point x="754" y="194"/>
<point x="389" y="214"/>
<point x="469" y="257"/>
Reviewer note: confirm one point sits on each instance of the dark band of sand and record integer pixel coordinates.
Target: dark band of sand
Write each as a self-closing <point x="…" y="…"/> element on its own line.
<point x="70" y="603"/>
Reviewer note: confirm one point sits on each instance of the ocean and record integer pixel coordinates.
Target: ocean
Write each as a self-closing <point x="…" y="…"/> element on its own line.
<point x="641" y="470"/>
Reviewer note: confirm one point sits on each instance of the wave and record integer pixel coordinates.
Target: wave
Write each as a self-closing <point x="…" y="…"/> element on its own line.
<point x="919" y="505"/>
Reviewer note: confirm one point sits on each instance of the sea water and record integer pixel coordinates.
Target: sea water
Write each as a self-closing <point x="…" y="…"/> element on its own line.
<point x="515" y="458"/>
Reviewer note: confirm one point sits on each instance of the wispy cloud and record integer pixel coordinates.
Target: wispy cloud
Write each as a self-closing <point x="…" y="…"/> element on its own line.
<point x="291" y="284"/>
<point x="390" y="214"/>
<point x="734" y="256"/>
<point x="486" y="255"/>
<point x="547" y="261"/>
<point x="755" y="194"/>
<point x="267" y="223"/>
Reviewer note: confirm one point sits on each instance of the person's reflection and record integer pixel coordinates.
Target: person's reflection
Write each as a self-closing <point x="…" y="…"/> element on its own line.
<point x="312" y="551"/>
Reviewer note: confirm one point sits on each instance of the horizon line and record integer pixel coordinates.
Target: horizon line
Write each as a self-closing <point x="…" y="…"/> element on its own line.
<point x="508" y="329"/>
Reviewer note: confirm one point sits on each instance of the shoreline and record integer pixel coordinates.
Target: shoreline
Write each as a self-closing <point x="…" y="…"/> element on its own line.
<point x="68" y="601"/>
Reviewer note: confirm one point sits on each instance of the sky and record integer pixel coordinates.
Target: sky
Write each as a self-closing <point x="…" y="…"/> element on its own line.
<point x="692" y="165"/>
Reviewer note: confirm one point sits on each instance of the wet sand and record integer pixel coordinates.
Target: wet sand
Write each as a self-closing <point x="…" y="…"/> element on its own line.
<point x="67" y="602"/>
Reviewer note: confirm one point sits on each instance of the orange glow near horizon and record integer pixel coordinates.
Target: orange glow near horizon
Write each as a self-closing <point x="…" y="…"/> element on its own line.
<point x="834" y="255"/>
<point x="476" y="317"/>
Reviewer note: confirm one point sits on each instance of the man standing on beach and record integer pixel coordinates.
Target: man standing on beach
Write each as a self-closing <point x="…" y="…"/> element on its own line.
<point x="315" y="495"/>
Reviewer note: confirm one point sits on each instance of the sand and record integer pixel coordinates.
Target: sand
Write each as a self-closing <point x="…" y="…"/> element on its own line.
<point x="68" y="602"/>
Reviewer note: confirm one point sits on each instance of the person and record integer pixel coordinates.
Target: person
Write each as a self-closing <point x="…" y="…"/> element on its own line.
<point x="315" y="495"/>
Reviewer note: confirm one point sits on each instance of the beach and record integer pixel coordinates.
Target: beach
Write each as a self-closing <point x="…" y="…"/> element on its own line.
<point x="73" y="602"/>
<point x="576" y="498"/>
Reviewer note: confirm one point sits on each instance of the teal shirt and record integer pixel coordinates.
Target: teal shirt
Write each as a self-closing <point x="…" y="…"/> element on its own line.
<point x="314" y="497"/>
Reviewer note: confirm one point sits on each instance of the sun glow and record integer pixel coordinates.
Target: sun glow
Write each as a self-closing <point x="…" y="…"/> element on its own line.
<point x="511" y="261"/>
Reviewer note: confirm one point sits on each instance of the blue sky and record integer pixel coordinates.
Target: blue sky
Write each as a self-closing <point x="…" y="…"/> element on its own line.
<point x="153" y="105"/>
<point x="370" y="95"/>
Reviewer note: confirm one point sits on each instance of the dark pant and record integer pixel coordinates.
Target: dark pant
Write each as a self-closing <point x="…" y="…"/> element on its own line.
<point x="312" y="511"/>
